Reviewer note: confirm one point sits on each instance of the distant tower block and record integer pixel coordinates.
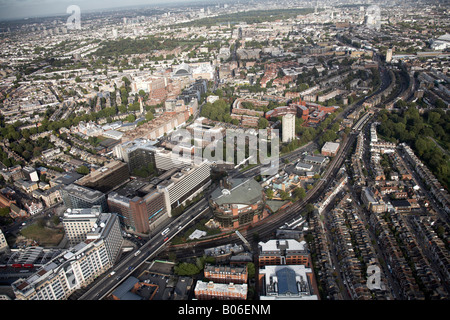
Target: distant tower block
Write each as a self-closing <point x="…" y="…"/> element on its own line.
<point x="389" y="55"/>
<point x="141" y="105"/>
<point x="288" y="127"/>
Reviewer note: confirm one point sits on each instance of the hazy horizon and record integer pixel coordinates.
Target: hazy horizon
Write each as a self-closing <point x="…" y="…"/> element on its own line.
<point x="22" y="9"/>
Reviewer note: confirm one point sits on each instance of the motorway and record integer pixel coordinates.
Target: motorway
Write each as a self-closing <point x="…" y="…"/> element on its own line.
<point x="104" y="285"/>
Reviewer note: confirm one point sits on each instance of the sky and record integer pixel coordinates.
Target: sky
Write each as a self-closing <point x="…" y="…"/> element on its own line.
<point x="18" y="9"/>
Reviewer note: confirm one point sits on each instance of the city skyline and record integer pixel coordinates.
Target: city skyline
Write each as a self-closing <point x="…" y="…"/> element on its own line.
<point x="24" y="9"/>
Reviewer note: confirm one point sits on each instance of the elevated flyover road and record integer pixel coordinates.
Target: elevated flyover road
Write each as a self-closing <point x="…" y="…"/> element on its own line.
<point x="105" y="284"/>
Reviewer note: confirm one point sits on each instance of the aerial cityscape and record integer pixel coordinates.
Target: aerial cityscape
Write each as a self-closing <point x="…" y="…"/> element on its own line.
<point x="231" y="150"/>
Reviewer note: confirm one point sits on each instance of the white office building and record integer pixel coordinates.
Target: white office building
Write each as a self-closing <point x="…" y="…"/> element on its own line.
<point x="3" y="244"/>
<point x="288" y="127"/>
<point x="79" y="222"/>
<point x="185" y="184"/>
<point x="76" y="267"/>
<point x="167" y="160"/>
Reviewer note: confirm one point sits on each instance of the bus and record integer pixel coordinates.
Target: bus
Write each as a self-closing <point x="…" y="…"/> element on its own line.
<point x="166" y="231"/>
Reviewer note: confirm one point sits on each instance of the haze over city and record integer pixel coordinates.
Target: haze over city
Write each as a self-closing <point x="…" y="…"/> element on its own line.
<point x="217" y="151"/>
<point x="18" y="9"/>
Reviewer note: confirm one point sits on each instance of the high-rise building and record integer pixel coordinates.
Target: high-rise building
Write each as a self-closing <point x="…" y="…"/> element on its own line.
<point x="3" y="244"/>
<point x="288" y="127"/>
<point x="79" y="222"/>
<point x="76" y="267"/>
<point x="140" y="214"/>
<point x="146" y="207"/>
<point x="137" y="153"/>
<point x="185" y="184"/>
<point x="141" y="157"/>
<point x="76" y="197"/>
<point x="389" y="55"/>
<point x="167" y="160"/>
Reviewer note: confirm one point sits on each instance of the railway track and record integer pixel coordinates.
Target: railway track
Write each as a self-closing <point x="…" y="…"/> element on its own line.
<point x="266" y="227"/>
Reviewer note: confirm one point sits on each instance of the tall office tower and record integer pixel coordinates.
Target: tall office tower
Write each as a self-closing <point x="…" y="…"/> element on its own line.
<point x="107" y="229"/>
<point x="167" y="160"/>
<point x="79" y="222"/>
<point x="3" y="244"/>
<point x="76" y="267"/>
<point x="140" y="214"/>
<point x="185" y="184"/>
<point x="137" y="153"/>
<point x="389" y="55"/>
<point x="288" y="128"/>
<point x="76" y="197"/>
<point x="107" y="177"/>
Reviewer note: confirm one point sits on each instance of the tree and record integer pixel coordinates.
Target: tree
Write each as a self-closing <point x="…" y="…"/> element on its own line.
<point x="284" y="195"/>
<point x="149" y="116"/>
<point x="186" y="269"/>
<point x="131" y="118"/>
<point x="83" y="170"/>
<point x="263" y="123"/>
<point x="299" y="193"/>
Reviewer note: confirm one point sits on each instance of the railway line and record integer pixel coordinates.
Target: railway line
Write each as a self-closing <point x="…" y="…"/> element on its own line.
<point x="265" y="228"/>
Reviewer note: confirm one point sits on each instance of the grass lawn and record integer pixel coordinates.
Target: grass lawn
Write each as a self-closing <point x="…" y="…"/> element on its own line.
<point x="43" y="235"/>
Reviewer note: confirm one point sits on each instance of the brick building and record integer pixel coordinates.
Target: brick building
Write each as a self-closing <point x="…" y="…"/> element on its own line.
<point x="280" y="252"/>
<point x="220" y="291"/>
<point x="226" y="274"/>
